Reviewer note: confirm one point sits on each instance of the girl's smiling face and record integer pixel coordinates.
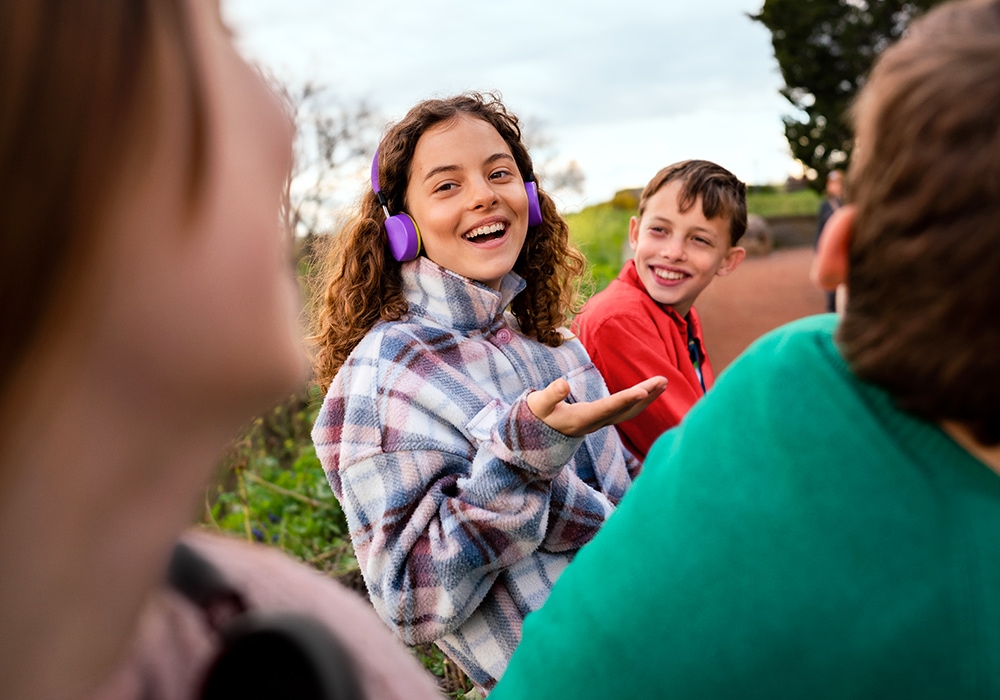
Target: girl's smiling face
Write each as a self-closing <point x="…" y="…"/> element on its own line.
<point x="468" y="199"/>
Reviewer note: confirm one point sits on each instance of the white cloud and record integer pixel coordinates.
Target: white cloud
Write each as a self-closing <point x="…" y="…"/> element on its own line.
<point x="623" y="88"/>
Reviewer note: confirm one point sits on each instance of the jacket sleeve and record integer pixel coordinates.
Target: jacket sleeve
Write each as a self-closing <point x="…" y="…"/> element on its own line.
<point x="627" y="350"/>
<point x="438" y="504"/>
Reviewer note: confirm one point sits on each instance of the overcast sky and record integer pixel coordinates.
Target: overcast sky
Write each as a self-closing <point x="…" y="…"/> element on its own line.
<point x="622" y="87"/>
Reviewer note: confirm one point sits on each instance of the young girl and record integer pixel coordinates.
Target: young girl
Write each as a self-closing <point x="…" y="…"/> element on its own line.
<point x="464" y="431"/>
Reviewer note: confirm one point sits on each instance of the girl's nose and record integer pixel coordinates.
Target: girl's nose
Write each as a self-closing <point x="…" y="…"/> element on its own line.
<point x="483" y="194"/>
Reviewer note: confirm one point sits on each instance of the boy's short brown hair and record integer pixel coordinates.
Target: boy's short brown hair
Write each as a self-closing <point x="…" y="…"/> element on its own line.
<point x="722" y="193"/>
<point x="923" y="310"/>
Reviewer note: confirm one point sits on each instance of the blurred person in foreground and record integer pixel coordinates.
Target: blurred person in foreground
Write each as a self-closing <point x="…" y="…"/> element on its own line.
<point x="839" y="538"/>
<point x="149" y="310"/>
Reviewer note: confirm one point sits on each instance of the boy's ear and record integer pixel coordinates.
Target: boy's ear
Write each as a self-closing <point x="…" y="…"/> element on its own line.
<point x="732" y="260"/>
<point x="830" y="265"/>
<point x="633" y="232"/>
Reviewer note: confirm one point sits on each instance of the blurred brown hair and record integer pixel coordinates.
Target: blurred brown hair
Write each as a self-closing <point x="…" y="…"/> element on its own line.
<point x="924" y="278"/>
<point x="361" y="281"/>
<point x="79" y="88"/>
<point x="722" y="193"/>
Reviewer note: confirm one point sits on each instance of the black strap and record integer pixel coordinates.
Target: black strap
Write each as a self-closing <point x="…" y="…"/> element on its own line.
<point x="201" y="582"/>
<point x="263" y="654"/>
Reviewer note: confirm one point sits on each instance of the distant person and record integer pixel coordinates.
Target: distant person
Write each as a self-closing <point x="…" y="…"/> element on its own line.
<point x="149" y="311"/>
<point x="832" y="201"/>
<point x="465" y="433"/>
<point x="824" y="523"/>
<point x="691" y="216"/>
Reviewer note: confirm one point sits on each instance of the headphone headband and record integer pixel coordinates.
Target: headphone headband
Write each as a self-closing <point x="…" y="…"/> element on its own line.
<point x="375" y="186"/>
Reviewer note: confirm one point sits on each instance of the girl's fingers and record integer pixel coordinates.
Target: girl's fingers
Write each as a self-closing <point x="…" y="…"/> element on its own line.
<point x="579" y="419"/>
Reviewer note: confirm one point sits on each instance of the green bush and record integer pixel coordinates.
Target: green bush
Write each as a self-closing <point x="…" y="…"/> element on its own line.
<point x="271" y="488"/>
<point x="601" y="234"/>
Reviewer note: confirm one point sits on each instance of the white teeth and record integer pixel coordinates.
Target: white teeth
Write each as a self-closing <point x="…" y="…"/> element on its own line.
<point x="483" y="230"/>
<point x="668" y="275"/>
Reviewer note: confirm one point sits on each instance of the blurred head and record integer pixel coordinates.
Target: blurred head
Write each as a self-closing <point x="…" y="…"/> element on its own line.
<point x="363" y="282"/>
<point x="835" y="184"/>
<point x="924" y="257"/>
<point x="142" y="165"/>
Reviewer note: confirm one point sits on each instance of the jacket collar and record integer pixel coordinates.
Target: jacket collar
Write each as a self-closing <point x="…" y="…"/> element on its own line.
<point x="455" y="301"/>
<point x="630" y="276"/>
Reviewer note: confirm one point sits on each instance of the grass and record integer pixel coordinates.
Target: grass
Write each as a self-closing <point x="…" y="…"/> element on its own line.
<point x="271" y="487"/>
<point x="771" y="201"/>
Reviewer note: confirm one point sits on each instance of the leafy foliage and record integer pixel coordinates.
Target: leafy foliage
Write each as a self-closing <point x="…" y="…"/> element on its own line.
<point x="825" y="49"/>
<point x="601" y="234"/>
<point x="332" y="141"/>
<point x="272" y="489"/>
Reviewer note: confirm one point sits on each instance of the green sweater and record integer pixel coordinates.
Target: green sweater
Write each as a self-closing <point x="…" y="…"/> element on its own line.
<point x="796" y="536"/>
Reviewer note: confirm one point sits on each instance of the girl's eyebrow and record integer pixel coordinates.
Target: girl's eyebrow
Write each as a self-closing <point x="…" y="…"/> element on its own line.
<point x="452" y="168"/>
<point x="440" y="169"/>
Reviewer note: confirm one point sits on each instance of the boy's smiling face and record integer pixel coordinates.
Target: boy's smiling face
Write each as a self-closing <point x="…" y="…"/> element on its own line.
<point x="678" y="253"/>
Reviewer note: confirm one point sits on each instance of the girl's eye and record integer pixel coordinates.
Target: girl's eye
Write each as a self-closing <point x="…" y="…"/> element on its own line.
<point x="499" y="174"/>
<point x="444" y="187"/>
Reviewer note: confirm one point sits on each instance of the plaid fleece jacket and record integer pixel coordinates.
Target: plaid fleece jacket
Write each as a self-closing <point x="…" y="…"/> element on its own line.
<point x="463" y="506"/>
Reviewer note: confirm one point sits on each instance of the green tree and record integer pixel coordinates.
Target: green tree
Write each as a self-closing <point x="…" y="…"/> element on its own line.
<point x="825" y="49"/>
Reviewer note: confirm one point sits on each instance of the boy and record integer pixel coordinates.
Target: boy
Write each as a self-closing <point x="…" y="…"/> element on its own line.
<point x="691" y="215"/>
<point x="842" y="542"/>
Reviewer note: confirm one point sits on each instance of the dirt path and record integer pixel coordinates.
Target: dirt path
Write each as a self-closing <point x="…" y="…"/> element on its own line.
<point x="764" y="292"/>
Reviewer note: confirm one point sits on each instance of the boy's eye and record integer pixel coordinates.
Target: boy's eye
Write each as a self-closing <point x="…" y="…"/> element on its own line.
<point x="702" y="240"/>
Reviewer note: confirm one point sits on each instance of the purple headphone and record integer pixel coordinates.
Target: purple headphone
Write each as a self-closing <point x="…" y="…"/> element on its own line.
<point x="402" y="232"/>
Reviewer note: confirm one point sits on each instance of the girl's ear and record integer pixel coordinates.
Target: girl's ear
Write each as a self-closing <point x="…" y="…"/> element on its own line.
<point x="829" y="268"/>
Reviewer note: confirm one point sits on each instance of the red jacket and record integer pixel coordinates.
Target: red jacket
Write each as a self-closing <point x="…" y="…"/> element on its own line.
<point x="630" y="338"/>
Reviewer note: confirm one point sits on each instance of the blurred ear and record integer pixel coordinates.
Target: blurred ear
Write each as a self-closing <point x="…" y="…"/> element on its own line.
<point x="829" y="267"/>
<point x="732" y="260"/>
<point x="633" y="232"/>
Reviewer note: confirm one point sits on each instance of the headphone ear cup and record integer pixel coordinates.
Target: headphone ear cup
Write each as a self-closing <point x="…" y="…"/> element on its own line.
<point x="534" y="206"/>
<point x="403" y="236"/>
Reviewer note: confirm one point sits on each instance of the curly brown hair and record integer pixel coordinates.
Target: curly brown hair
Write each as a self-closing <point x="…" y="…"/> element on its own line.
<point x="360" y="281"/>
